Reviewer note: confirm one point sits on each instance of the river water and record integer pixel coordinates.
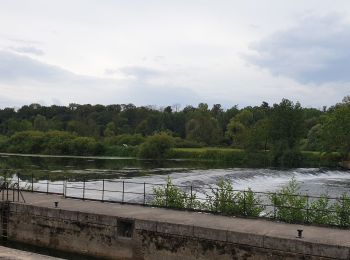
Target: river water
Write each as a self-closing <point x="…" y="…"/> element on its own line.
<point x="70" y="174"/>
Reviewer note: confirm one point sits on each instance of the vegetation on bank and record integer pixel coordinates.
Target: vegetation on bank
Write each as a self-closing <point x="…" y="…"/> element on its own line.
<point x="287" y="204"/>
<point x="266" y="135"/>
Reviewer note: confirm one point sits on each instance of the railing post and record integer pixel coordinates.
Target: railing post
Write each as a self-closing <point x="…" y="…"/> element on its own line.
<point x="17" y="187"/>
<point x="307" y="209"/>
<point x="191" y="199"/>
<point x="123" y="192"/>
<point x="7" y="191"/>
<point x="47" y="186"/>
<point x="166" y="195"/>
<point x="274" y="205"/>
<point x="65" y="187"/>
<point x="103" y="189"/>
<point x="343" y="212"/>
<point x="32" y="182"/>
<point x="244" y="204"/>
<point x="84" y="189"/>
<point x="144" y="193"/>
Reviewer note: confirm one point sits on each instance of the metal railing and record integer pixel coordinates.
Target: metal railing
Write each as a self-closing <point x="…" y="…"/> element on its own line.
<point x="11" y="192"/>
<point x="293" y="208"/>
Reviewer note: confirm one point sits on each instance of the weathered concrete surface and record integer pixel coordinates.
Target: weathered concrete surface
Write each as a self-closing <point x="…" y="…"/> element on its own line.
<point x="15" y="254"/>
<point x="91" y="228"/>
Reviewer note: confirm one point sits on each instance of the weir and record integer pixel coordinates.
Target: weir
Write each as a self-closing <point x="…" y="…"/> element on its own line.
<point x="120" y="231"/>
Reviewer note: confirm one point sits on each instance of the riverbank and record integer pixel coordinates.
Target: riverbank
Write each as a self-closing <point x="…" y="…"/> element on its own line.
<point x="237" y="157"/>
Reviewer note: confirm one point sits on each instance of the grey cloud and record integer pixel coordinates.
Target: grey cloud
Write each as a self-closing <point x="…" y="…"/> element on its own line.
<point x="34" y="80"/>
<point x="140" y="73"/>
<point x="316" y="50"/>
<point x="28" y="50"/>
<point x="15" y="67"/>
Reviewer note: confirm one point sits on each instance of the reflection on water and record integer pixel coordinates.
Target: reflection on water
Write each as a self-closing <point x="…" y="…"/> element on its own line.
<point x="313" y="181"/>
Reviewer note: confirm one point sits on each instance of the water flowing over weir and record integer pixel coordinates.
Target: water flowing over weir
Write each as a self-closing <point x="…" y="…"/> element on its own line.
<point x="313" y="182"/>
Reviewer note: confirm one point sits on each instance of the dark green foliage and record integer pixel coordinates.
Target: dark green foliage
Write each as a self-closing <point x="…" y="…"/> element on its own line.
<point x="281" y="130"/>
<point x="336" y="130"/>
<point x="156" y="146"/>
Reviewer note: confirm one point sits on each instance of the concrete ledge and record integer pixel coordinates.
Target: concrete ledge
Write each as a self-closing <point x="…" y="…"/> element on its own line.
<point x="175" y="229"/>
<point x="307" y="248"/>
<point x="245" y="239"/>
<point x="210" y="234"/>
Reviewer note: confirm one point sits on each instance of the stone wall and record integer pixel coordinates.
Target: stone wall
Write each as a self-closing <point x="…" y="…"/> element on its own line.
<point x="111" y="237"/>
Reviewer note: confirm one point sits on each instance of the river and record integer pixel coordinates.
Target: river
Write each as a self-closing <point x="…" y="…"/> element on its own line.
<point x="96" y="173"/>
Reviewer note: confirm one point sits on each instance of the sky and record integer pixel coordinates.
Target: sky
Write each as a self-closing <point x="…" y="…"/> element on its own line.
<point x="167" y="52"/>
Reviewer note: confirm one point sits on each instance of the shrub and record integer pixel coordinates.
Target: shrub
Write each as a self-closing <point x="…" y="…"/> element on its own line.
<point x="156" y="146"/>
<point x="342" y="209"/>
<point x="173" y="197"/>
<point x="225" y="200"/>
<point x="289" y="204"/>
<point x="321" y="212"/>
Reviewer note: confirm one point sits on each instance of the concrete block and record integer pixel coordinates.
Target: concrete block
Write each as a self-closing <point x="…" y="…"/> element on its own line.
<point x="68" y="215"/>
<point x="210" y="234"/>
<point x="146" y="225"/>
<point x="245" y="239"/>
<point x="302" y="247"/>
<point x="175" y="229"/>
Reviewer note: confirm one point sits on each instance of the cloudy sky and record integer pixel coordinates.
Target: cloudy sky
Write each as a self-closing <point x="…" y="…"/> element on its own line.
<point x="165" y="52"/>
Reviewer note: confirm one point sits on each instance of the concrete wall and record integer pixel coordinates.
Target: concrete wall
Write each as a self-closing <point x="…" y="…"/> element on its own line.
<point x="110" y="237"/>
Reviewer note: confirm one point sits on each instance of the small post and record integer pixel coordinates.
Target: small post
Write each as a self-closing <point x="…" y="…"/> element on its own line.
<point x="47" y="187"/>
<point x="56" y="204"/>
<point x="63" y="187"/>
<point x="123" y="192"/>
<point x="144" y="193"/>
<point x="84" y="189"/>
<point x="103" y="189"/>
<point x="32" y="182"/>
<point x="300" y="233"/>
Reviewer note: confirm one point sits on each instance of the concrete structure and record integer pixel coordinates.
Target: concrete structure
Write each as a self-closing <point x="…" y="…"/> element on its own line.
<point x="116" y="231"/>
<point x="14" y="254"/>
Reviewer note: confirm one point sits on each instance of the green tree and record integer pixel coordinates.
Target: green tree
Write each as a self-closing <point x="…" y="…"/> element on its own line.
<point x="336" y="130"/>
<point x="110" y="130"/>
<point x="156" y="146"/>
<point x="286" y="129"/>
<point x="40" y="123"/>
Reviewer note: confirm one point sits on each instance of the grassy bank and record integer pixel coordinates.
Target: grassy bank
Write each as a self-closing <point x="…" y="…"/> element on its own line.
<point x="260" y="158"/>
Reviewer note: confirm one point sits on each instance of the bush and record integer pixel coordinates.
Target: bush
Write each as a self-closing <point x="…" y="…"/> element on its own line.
<point x="85" y="146"/>
<point x="290" y="205"/>
<point x="321" y="212"/>
<point x="173" y="197"/>
<point x="156" y="146"/>
<point x="225" y="200"/>
<point x="26" y="142"/>
<point x="342" y="209"/>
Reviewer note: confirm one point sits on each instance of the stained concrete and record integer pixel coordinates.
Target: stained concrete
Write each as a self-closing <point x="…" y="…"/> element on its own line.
<point x="15" y="254"/>
<point x="167" y="234"/>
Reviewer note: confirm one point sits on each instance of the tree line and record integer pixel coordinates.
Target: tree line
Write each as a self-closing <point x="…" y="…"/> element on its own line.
<point x="283" y="129"/>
